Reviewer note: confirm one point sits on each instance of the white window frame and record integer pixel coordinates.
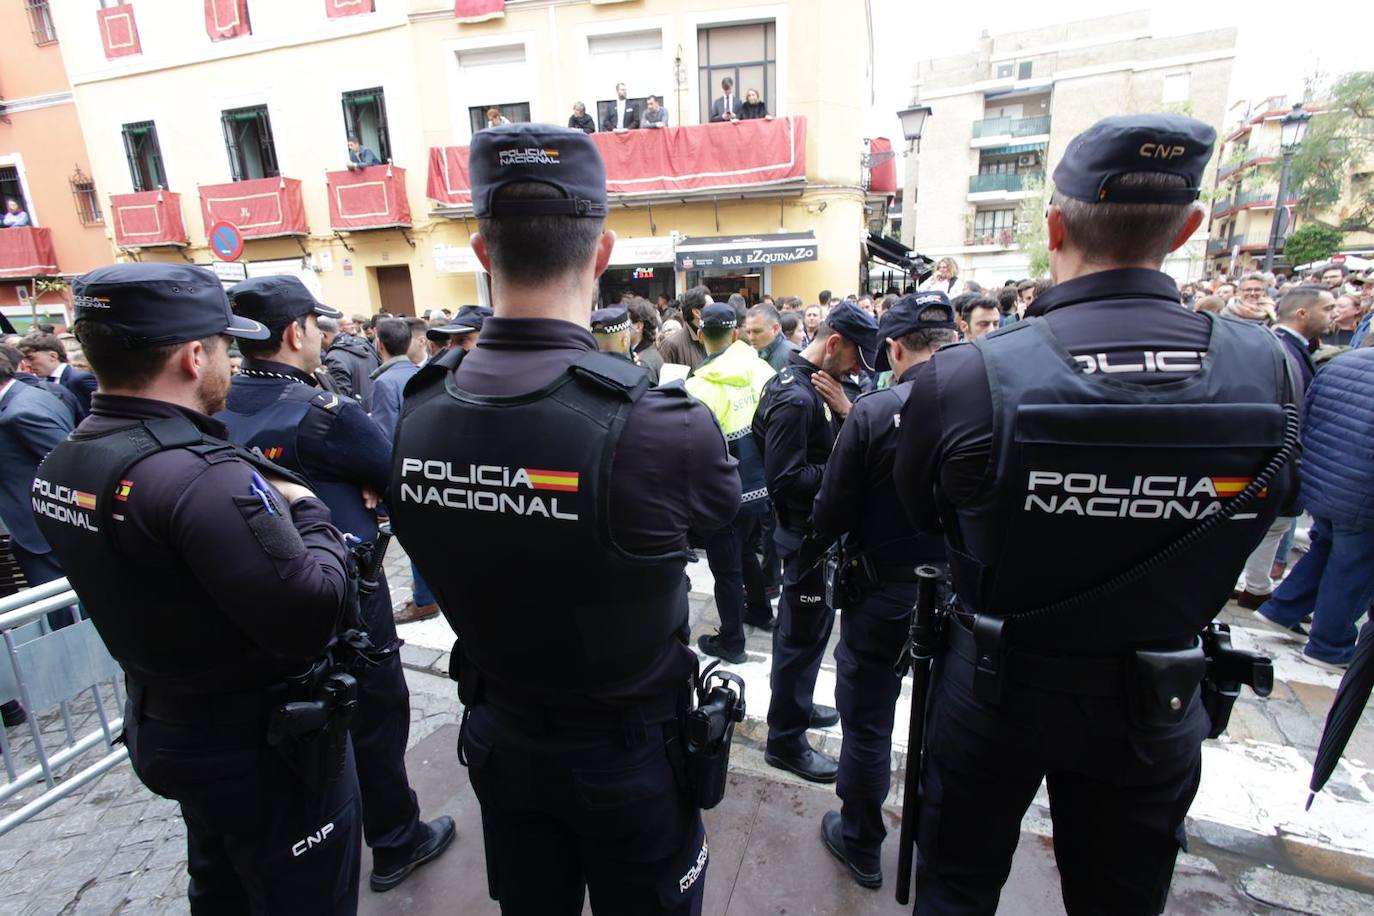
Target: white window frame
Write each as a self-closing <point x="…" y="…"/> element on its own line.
<point x="588" y="81"/>
<point x="16" y="161"/>
<point x="459" y="99"/>
<point x="696" y="21"/>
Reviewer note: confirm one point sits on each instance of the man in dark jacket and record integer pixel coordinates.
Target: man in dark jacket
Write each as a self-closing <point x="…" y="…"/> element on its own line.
<point x="47" y="359"/>
<point x="683" y="346"/>
<point x="1334" y="581"/>
<point x="350" y="361"/>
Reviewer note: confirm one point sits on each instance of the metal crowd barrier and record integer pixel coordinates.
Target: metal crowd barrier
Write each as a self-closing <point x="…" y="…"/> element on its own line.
<point x="45" y="669"/>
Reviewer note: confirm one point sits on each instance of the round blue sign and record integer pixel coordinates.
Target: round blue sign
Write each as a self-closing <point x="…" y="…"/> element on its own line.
<point x="226" y="241"/>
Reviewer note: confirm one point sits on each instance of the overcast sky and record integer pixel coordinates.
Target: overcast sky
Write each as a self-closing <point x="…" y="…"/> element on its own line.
<point x="1273" y="53"/>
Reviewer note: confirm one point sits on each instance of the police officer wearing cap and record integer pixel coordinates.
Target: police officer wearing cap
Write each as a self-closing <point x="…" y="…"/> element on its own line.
<point x="455" y="333"/>
<point x="730" y="383"/>
<point x="795" y="426"/>
<point x="858" y="500"/>
<point x="214" y="579"/>
<point x="537" y="451"/>
<point x="611" y="328"/>
<point x="276" y="406"/>
<point x="1066" y="453"/>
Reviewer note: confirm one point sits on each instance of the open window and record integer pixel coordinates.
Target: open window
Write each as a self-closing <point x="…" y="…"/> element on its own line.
<point x="248" y="141"/>
<point x="145" y="156"/>
<point x="364" y="112"/>
<point x="746" y="53"/>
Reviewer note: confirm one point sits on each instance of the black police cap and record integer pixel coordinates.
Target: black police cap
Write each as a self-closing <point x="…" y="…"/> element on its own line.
<point x="1165" y="143"/>
<point x="154" y="305"/>
<point x="854" y="324"/>
<point x="444" y="331"/>
<point x="276" y="301"/>
<point x="473" y="315"/>
<point x="719" y="316"/>
<point x="611" y="320"/>
<point x="565" y="160"/>
<point x="916" y="312"/>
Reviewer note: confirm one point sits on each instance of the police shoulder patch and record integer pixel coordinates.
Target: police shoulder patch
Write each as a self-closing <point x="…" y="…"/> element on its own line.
<point x="327" y="400"/>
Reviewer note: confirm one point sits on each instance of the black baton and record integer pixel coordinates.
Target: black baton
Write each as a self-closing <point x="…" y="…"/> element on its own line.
<point x="923" y="643"/>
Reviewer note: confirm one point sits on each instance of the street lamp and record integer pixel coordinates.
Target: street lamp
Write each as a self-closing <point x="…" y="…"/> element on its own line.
<point x="1292" y="128"/>
<point x="913" y="122"/>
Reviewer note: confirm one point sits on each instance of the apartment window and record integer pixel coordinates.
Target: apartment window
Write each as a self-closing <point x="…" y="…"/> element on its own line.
<point x="1176" y="87"/>
<point x="11" y="188"/>
<point x="989" y="224"/>
<point x="145" y="156"/>
<point x="632" y="58"/>
<point x="1004" y="71"/>
<point x="514" y="112"/>
<point x="40" y="22"/>
<point x="87" y="203"/>
<point x="746" y="53"/>
<point x="364" y="113"/>
<point x="248" y="140"/>
<point x="1023" y="70"/>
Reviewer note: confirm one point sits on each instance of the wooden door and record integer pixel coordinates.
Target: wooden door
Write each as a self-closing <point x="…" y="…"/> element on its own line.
<point x="393" y="284"/>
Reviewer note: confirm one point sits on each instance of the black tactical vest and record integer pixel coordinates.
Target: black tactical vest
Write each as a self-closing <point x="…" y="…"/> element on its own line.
<point x="78" y="494"/>
<point x="1090" y="475"/>
<point x="503" y="504"/>
<point x="303" y="413"/>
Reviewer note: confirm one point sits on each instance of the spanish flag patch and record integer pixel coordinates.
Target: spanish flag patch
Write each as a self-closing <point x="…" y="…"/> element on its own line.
<point x="565" y="481"/>
<point x="84" y="500"/>
<point x="122" y="490"/>
<point x="1232" y="486"/>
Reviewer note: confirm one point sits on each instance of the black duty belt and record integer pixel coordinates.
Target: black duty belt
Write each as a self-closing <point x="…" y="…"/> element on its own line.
<point x="544" y="719"/>
<point x="1098" y="677"/>
<point x="200" y="709"/>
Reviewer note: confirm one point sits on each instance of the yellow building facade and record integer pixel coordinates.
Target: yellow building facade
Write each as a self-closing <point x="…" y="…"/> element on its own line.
<point x="180" y="125"/>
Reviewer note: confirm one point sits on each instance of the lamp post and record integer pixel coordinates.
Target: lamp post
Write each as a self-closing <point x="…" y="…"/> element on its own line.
<point x="1292" y="128"/>
<point x="913" y="123"/>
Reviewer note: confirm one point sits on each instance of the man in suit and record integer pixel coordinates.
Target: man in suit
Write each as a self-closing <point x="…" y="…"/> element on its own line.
<point x="47" y="359"/>
<point x="32" y="422"/>
<point x="68" y="399"/>
<point x="726" y="108"/>
<point x="1304" y="315"/>
<point x="623" y="116"/>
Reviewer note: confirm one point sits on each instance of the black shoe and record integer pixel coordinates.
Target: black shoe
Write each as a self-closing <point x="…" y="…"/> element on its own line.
<point x="834" y="841"/>
<point x="13" y="713"/>
<point x="810" y="764"/>
<point x="762" y="621"/>
<point x="710" y="645"/>
<point x="441" y="833"/>
<point x="824" y="716"/>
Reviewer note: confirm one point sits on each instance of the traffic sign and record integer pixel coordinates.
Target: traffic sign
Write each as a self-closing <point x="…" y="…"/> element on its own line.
<point x="226" y="240"/>
<point x="230" y="271"/>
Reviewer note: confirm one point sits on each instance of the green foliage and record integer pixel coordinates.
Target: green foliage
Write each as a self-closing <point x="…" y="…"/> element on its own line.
<point x="1311" y="243"/>
<point x="1339" y="143"/>
<point x="1030" y="226"/>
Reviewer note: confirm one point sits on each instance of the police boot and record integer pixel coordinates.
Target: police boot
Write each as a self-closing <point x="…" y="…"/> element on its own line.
<point x="439" y="836"/>
<point x="833" y="837"/>
<point x="824" y="716"/>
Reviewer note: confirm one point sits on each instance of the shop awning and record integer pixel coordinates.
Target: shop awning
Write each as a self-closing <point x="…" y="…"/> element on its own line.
<point x="753" y="251"/>
<point x="893" y="251"/>
<point x="1015" y="150"/>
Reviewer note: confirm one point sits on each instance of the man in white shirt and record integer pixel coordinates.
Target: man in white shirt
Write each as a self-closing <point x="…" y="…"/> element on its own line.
<point x="726" y="108"/>
<point x="624" y="117"/>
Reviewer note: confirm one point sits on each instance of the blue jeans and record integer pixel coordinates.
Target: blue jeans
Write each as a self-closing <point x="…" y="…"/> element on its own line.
<point x="1334" y="582"/>
<point x="419" y="590"/>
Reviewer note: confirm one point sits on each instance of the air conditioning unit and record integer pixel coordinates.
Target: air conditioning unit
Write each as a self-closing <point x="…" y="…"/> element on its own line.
<point x="1027" y="159"/>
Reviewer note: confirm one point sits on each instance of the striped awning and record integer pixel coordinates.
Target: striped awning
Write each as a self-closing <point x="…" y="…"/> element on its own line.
<point x="1014" y="150"/>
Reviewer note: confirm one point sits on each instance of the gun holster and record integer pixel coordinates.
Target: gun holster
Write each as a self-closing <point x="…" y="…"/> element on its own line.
<point x="312" y="734"/>
<point x="1228" y="669"/>
<point x="708" y="731"/>
<point x="1161" y="685"/>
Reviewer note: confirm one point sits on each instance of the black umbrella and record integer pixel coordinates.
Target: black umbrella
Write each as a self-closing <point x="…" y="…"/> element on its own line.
<point x="1351" y="697"/>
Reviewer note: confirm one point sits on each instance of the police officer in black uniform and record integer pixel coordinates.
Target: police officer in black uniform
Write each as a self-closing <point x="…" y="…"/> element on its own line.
<point x="1066" y="453"/>
<point x="877" y="577"/>
<point x="215" y="582"/>
<point x="795" y="425"/>
<point x="276" y="406"/>
<point x="550" y="458"/>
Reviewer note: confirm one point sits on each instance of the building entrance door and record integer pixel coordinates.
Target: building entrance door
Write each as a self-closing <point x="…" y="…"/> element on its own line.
<point x="393" y="286"/>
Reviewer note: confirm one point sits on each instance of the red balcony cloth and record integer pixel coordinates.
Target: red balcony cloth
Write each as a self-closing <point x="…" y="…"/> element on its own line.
<point x="337" y="8"/>
<point x="261" y="208"/>
<point x="27" y="252"/>
<point x="147" y="219"/>
<point x="741" y="154"/>
<point x="370" y="198"/>
<point x="882" y="178"/>
<point x="118" y="31"/>
<point x="479" y="10"/>
<point x="226" y="19"/>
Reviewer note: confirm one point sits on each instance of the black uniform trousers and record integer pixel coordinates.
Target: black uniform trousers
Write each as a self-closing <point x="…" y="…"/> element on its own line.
<point x="569" y="812"/>
<point x="380" y="728"/>
<point x="737" y="575"/>
<point x="872" y="634"/>
<point x="257" y="840"/>
<point x="767" y="548"/>
<point x="799" y="639"/>
<point x="1118" y="795"/>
